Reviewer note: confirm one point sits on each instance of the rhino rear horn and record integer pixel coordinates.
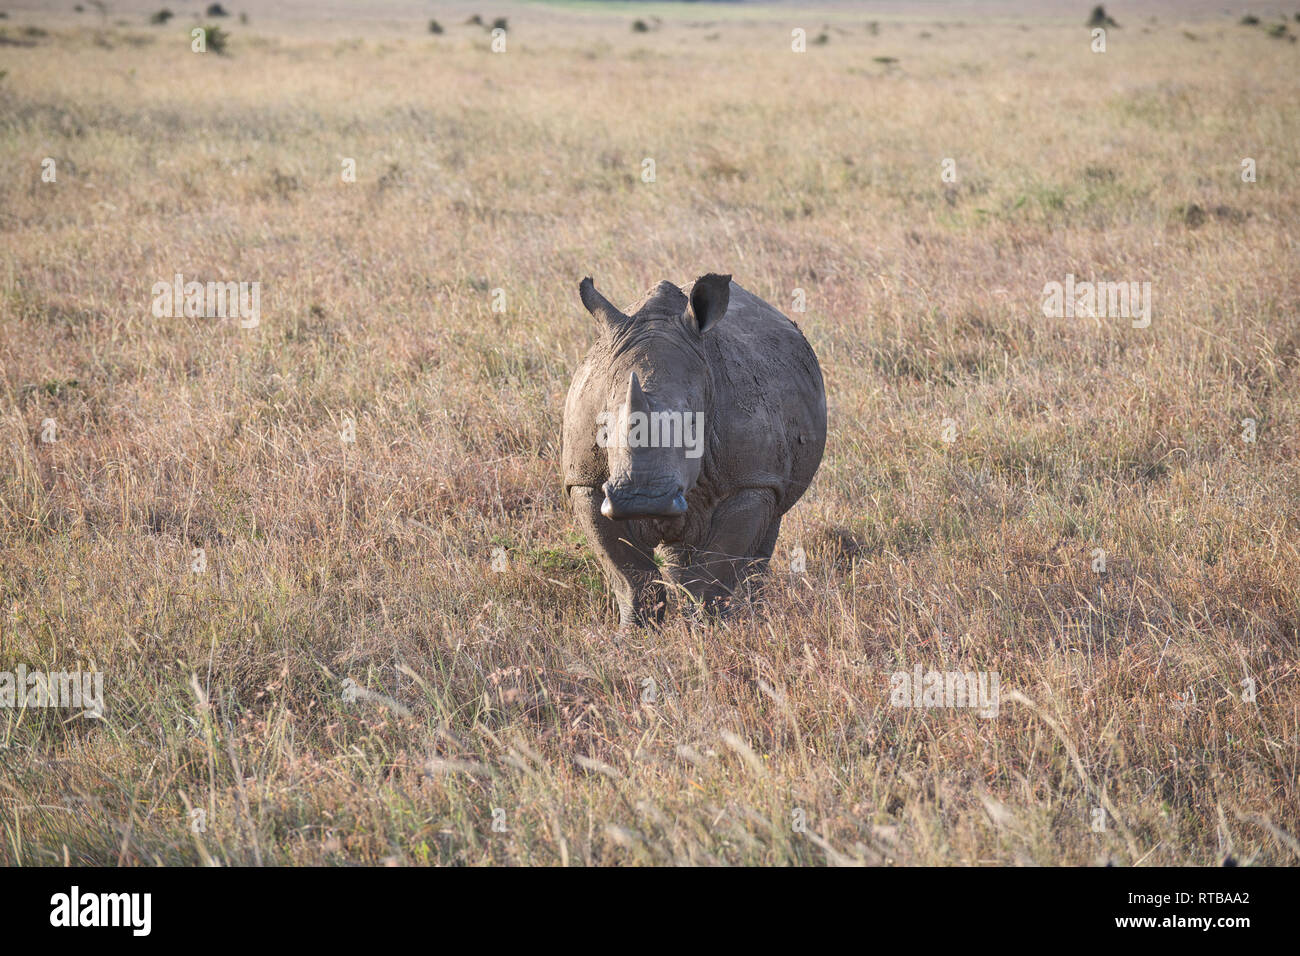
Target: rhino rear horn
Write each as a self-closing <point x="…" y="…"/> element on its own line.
<point x="599" y="306"/>
<point x="709" y="298"/>
<point x="636" y="400"/>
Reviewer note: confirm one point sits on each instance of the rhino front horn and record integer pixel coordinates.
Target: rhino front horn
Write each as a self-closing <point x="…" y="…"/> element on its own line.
<point x="599" y="306"/>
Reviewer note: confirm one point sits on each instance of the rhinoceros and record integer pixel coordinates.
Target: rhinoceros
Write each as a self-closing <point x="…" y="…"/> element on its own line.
<point x="694" y="424"/>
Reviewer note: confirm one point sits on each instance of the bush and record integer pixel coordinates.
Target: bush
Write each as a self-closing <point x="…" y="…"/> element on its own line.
<point x="1100" y="18"/>
<point x="215" y="39"/>
<point x="161" y="17"/>
<point x="435" y="26"/>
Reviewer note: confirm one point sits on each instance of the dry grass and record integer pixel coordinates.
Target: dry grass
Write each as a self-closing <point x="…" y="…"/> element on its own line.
<point x="521" y="171"/>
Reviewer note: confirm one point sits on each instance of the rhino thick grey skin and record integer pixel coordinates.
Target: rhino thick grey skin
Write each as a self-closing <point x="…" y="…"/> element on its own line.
<point x="711" y="502"/>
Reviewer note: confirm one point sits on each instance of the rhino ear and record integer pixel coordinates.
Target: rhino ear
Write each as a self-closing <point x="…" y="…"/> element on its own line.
<point x="709" y="297"/>
<point x="599" y="306"/>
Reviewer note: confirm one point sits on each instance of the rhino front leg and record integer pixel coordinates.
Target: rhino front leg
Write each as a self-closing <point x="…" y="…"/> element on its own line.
<point x="742" y="533"/>
<point x="628" y="562"/>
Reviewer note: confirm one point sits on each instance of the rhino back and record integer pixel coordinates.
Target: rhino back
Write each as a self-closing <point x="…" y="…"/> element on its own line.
<point x="769" y="400"/>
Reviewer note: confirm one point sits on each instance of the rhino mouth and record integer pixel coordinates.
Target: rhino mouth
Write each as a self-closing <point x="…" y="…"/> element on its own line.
<point x="622" y="504"/>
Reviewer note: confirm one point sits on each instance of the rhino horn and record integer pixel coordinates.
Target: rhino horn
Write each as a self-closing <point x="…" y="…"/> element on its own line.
<point x="599" y="306"/>
<point x="636" y="400"/>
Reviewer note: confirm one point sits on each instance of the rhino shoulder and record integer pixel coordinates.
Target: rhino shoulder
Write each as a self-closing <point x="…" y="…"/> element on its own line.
<point x="582" y="460"/>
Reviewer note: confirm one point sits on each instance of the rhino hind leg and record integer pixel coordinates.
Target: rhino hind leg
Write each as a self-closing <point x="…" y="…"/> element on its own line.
<point x="629" y="569"/>
<point x="741" y="536"/>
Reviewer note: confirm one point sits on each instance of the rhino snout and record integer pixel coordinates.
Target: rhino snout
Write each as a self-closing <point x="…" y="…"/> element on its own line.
<point x="622" y="504"/>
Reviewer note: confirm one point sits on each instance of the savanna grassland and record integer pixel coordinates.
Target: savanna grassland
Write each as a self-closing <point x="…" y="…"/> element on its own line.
<point x="348" y="680"/>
